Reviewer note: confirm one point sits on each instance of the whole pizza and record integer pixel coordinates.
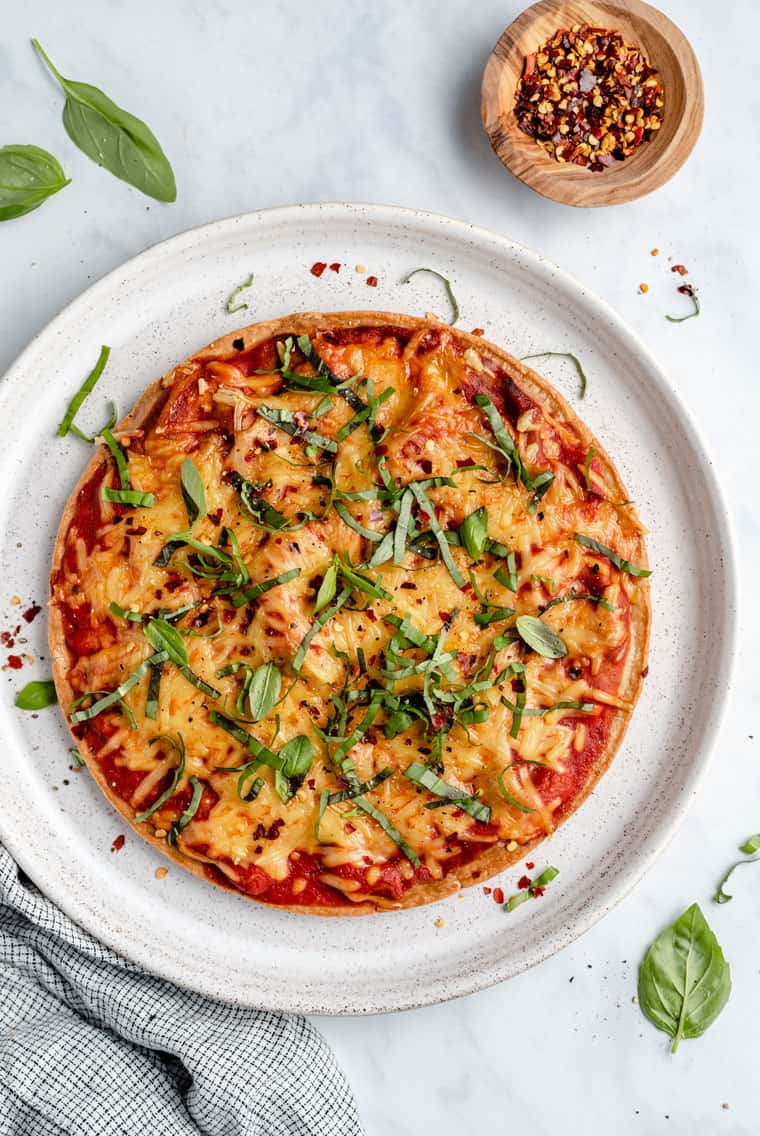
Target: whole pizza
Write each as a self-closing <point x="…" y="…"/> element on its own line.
<point x="351" y="611"/>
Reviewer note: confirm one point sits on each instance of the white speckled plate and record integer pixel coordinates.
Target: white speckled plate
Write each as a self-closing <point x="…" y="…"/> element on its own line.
<point x="154" y="311"/>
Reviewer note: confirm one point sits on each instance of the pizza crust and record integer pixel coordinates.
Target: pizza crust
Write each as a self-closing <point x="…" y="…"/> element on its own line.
<point x="493" y="859"/>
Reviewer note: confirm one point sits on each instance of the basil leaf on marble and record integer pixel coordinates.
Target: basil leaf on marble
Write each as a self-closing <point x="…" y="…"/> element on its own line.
<point x="29" y="175"/>
<point x="684" y="980"/>
<point x="114" y="138"/>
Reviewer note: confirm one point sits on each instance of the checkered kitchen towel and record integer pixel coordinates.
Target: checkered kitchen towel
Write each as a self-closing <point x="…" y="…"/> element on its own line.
<point x="91" y="1045"/>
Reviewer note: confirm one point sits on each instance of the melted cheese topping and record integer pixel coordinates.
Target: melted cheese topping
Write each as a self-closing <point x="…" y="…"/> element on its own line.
<point x="431" y="428"/>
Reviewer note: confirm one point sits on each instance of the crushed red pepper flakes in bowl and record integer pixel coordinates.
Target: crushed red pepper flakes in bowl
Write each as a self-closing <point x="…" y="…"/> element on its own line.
<point x="588" y="97"/>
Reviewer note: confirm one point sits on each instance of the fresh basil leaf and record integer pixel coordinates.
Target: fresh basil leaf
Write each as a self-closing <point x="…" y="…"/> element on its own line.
<point x="474" y="532"/>
<point x="28" y="176"/>
<point x="603" y="550"/>
<point x="389" y="829"/>
<point x="684" y="980"/>
<point x="327" y="588"/>
<point x="297" y="756"/>
<point x="37" y="695"/>
<point x="231" y="305"/>
<point x="751" y="845"/>
<point x="135" y="498"/>
<point x="179" y="746"/>
<point x="579" y="596"/>
<point x="193" y="492"/>
<point x="540" y="637"/>
<point x="264" y="690"/>
<point x="447" y="285"/>
<point x="428" y="508"/>
<point x="285" y="420"/>
<point x="563" y="355"/>
<point x="113" y="138"/>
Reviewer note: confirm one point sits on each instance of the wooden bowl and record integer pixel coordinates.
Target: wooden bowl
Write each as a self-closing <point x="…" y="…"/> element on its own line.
<point x="667" y="50"/>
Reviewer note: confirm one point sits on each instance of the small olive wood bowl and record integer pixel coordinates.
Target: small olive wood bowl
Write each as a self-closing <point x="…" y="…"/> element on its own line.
<point x="654" y="162"/>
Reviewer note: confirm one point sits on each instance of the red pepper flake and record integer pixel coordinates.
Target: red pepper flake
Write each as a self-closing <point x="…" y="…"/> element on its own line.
<point x="372" y="281"/>
<point x="523" y="882"/>
<point x="335" y="266"/>
<point x="371" y="616"/>
<point x="537" y="892"/>
<point x="444" y="616"/>
<point x="7" y="639"/>
<point x="478" y="331"/>
<point x="216" y="516"/>
<point x="15" y="662"/>
<point x="32" y="612"/>
<point x="318" y="268"/>
<point x="681" y="269"/>
<point x="529" y="865"/>
<point x="487" y="890"/>
<point x="311" y="783"/>
<point x="498" y="895"/>
<point x="588" y="97"/>
<point x="348" y="827"/>
<point x="118" y="843"/>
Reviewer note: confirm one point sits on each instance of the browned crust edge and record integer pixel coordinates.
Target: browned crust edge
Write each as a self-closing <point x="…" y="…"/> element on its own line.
<point x="495" y="858"/>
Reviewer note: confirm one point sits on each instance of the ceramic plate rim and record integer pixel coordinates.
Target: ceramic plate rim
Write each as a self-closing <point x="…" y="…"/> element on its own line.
<point x="644" y="855"/>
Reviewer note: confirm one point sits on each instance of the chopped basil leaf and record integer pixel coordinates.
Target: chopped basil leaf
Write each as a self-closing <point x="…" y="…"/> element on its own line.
<point x="165" y="638"/>
<point x="190" y="811"/>
<point x="563" y="355"/>
<point x="117" y="695"/>
<point x="193" y="492"/>
<point x="682" y="319"/>
<point x="587" y="467"/>
<point x="579" y="596"/>
<point x="86" y="388"/>
<point x="751" y="845"/>
<point x="154" y="688"/>
<point x="424" y="776"/>
<point x="535" y="887"/>
<point x="447" y="285"/>
<point x="389" y="829"/>
<point x="508" y="796"/>
<point x="126" y="495"/>
<point x="231" y="306"/>
<point x="265" y="586"/>
<point x="360" y="788"/>
<point x="508" y="578"/>
<point x="179" y="746"/>
<point x="721" y="895"/>
<point x="429" y="509"/>
<point x="286" y="421"/>
<point x="540" y="637"/>
<point x="623" y="565"/>
<point x="347" y="518"/>
<point x="37" y="695"/>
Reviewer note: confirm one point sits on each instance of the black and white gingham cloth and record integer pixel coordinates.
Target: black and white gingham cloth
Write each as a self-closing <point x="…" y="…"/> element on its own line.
<point x="91" y="1045"/>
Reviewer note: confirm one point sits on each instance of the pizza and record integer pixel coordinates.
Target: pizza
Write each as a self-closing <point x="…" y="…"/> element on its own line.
<point x="351" y="611"/>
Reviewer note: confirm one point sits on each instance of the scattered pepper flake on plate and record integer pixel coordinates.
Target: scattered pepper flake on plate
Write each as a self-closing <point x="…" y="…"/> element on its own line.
<point x="498" y="895"/>
<point x="161" y="873"/>
<point x="335" y="266"/>
<point x="588" y="97"/>
<point x="118" y="843"/>
<point x="372" y="281"/>
<point x="655" y="252"/>
<point x="643" y="288"/>
<point x="681" y="269"/>
<point x="318" y="267"/>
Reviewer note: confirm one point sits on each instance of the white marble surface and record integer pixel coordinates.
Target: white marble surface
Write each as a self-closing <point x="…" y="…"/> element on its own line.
<point x="282" y="102"/>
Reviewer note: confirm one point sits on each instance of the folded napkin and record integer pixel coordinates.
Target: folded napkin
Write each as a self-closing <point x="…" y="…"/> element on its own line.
<point x="90" y="1045"/>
